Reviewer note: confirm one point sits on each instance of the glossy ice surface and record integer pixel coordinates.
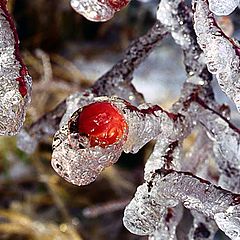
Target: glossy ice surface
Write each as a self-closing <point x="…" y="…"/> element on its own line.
<point x="15" y="87"/>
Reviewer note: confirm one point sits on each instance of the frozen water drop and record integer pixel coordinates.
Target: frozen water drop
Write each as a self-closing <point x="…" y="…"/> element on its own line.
<point x="98" y="10"/>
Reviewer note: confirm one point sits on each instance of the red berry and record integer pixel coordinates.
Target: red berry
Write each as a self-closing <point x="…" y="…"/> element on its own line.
<point x="102" y="123"/>
<point x="118" y="4"/>
<point x="22" y="86"/>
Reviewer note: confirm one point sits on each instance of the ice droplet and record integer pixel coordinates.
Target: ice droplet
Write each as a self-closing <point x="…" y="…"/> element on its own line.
<point x="98" y="10"/>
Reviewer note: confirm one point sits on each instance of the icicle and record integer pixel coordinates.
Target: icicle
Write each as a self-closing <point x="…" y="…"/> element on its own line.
<point x="15" y="88"/>
<point x="98" y="10"/>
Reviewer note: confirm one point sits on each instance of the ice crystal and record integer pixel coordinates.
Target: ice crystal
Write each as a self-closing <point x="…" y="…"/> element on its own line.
<point x="223" y="7"/>
<point x="15" y="88"/>
<point x="98" y="10"/>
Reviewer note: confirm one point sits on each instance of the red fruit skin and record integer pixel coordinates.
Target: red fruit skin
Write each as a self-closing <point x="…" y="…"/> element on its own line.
<point x="102" y="123"/>
<point x="117" y="5"/>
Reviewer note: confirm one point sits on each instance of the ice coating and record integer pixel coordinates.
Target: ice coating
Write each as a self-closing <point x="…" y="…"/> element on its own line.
<point x="223" y="7"/>
<point x="76" y="160"/>
<point x="226" y="140"/>
<point x="116" y="82"/>
<point x="102" y="123"/>
<point x="167" y="229"/>
<point x="175" y="16"/>
<point x="221" y="53"/>
<point x="98" y="10"/>
<point x="197" y="161"/>
<point x="226" y="149"/>
<point x="81" y="166"/>
<point x="204" y="228"/>
<point x="167" y="189"/>
<point x="168" y="15"/>
<point x="15" y="88"/>
<point x="168" y="182"/>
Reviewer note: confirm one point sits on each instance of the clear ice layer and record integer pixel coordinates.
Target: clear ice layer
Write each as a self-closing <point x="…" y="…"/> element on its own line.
<point x="166" y="229"/>
<point x="15" y="87"/>
<point x="168" y="189"/>
<point x="223" y="7"/>
<point x="98" y="10"/>
<point x="93" y="10"/>
<point x="79" y="163"/>
<point x="221" y="53"/>
<point x="116" y="82"/>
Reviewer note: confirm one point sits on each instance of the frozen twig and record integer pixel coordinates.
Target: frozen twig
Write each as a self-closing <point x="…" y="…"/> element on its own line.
<point x="169" y="222"/>
<point x="221" y="52"/>
<point x="113" y="126"/>
<point x="176" y="16"/>
<point x="15" y="87"/>
<point x="117" y="82"/>
<point x="169" y="188"/>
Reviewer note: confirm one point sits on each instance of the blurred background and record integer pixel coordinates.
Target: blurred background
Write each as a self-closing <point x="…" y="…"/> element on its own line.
<point x="66" y="53"/>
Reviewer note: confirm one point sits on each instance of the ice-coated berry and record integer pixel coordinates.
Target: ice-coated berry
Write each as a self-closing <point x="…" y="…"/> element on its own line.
<point x="102" y="123"/>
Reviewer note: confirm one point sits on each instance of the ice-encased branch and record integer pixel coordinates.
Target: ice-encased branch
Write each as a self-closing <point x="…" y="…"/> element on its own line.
<point x="169" y="222"/>
<point x="167" y="154"/>
<point x="221" y="52"/>
<point x="226" y="145"/>
<point x="116" y="81"/>
<point x="15" y="87"/>
<point x="177" y="17"/>
<point x="168" y="188"/>
<point x="80" y="163"/>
